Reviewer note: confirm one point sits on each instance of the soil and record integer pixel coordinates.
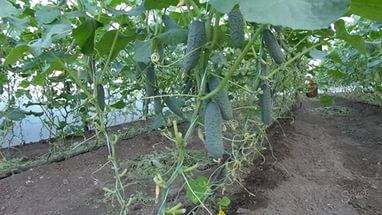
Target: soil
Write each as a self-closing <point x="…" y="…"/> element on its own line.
<point x="320" y="164"/>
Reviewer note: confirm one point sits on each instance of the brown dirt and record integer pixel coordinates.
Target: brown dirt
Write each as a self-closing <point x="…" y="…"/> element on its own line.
<point x="325" y="165"/>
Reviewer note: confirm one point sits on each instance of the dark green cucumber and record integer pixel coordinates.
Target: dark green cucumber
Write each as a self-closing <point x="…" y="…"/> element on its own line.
<point x="151" y="80"/>
<point x="169" y="23"/>
<point x="151" y="87"/>
<point x="236" y="28"/>
<point x="221" y="99"/>
<point x="265" y="98"/>
<point x="100" y="91"/>
<point x="273" y="46"/>
<point x="213" y="130"/>
<point x="157" y="106"/>
<point x="195" y="40"/>
<point x="175" y="105"/>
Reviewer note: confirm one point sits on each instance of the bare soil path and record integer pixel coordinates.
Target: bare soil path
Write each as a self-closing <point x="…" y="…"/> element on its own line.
<point x="327" y="163"/>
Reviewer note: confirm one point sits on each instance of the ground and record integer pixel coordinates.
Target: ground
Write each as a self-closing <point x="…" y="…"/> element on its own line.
<point x="324" y="161"/>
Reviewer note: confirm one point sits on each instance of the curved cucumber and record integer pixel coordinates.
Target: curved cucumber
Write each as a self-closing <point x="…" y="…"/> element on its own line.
<point x="175" y="105"/>
<point x="273" y="46"/>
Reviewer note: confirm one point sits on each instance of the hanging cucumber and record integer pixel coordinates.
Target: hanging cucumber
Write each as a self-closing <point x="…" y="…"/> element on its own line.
<point x="266" y="97"/>
<point x="151" y="79"/>
<point x="169" y="23"/>
<point x="195" y="40"/>
<point x="150" y="87"/>
<point x="236" y="28"/>
<point x="213" y="130"/>
<point x="221" y="99"/>
<point x="157" y="106"/>
<point x="175" y="105"/>
<point x="100" y="91"/>
<point x="273" y="46"/>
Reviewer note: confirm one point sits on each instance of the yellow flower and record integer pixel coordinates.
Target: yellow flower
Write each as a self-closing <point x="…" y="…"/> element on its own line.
<point x="221" y="212"/>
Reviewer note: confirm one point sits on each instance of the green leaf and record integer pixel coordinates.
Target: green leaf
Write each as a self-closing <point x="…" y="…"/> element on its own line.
<point x="336" y="74"/>
<point x="119" y="104"/>
<point x="370" y="9"/>
<point x="16" y="53"/>
<point x="296" y="14"/>
<point x="356" y="41"/>
<point x="223" y="6"/>
<point x="84" y="35"/>
<point x="14" y="114"/>
<point x="136" y="11"/>
<point x="46" y="14"/>
<point x="317" y="54"/>
<point x="106" y="43"/>
<point x="3" y="78"/>
<point x="224" y="202"/>
<point x="198" y="189"/>
<point x="156" y="4"/>
<point x="142" y="51"/>
<point x="52" y="33"/>
<point x="173" y="36"/>
<point x="7" y="9"/>
<point x="58" y="31"/>
<point x="326" y="100"/>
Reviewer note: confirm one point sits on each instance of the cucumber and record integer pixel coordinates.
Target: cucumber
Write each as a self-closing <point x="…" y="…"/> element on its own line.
<point x="273" y="46"/>
<point x="151" y="80"/>
<point x="221" y="99"/>
<point x="187" y="86"/>
<point x="175" y="106"/>
<point x="157" y="106"/>
<point x="195" y="40"/>
<point x="213" y="130"/>
<point x="236" y="28"/>
<point x="151" y="87"/>
<point x="169" y="23"/>
<point x="265" y="98"/>
<point x="100" y="91"/>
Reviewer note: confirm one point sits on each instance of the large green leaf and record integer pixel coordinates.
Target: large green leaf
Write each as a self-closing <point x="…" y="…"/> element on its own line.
<point x="136" y="11"/>
<point x="46" y="14"/>
<point x="223" y="6"/>
<point x="370" y="9"/>
<point x="7" y="9"/>
<point x="119" y="104"/>
<point x="16" y="53"/>
<point x="198" y="188"/>
<point x="155" y="4"/>
<point x="52" y="33"/>
<point x="296" y="14"/>
<point x="84" y="35"/>
<point x="356" y="41"/>
<point x="14" y="114"/>
<point x="106" y="43"/>
<point x="142" y="51"/>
